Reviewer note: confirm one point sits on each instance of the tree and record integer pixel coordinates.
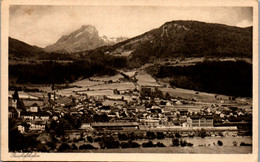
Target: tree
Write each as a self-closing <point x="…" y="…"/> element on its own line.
<point x="148" y="144"/>
<point x="220" y="143"/>
<point x="52" y="145"/>
<point x="167" y="96"/>
<point x="183" y="143"/>
<point x="122" y="137"/>
<point x="177" y="135"/>
<point x="191" y="135"/>
<point x="86" y="146"/>
<point x="42" y="148"/>
<point x="74" y="147"/>
<point x="157" y="93"/>
<point x="220" y="133"/>
<point x="129" y="144"/>
<point x="160" y="135"/>
<point x="145" y="92"/>
<point x="101" y="118"/>
<point x="202" y="133"/>
<point x="150" y="135"/>
<point x="175" y="142"/>
<point x="140" y="136"/>
<point x="17" y="140"/>
<point x="77" y="123"/>
<point x="63" y="139"/>
<point x="90" y="139"/>
<point x="64" y="147"/>
<point x="245" y="144"/>
<point x="82" y="137"/>
<point x="159" y="144"/>
<point x="60" y="127"/>
<point x="109" y="142"/>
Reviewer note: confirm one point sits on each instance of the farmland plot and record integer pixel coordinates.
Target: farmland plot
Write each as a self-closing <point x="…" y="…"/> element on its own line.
<point x="112" y="86"/>
<point x="86" y="83"/>
<point x="146" y="80"/>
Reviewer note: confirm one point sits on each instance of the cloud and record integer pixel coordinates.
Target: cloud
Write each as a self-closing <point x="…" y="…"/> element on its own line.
<point x="244" y="23"/>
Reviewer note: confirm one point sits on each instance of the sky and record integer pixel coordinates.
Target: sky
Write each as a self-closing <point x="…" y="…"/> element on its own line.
<point x="44" y="25"/>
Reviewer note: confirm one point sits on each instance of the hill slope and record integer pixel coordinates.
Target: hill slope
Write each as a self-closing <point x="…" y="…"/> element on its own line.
<point x="21" y="49"/>
<point x="186" y="39"/>
<point x="232" y="78"/>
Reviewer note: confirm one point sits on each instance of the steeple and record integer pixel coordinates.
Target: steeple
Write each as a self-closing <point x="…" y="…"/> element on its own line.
<point x="16" y="95"/>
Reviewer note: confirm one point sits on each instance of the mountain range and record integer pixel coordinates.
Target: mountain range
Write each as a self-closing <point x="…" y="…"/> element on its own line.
<point x="85" y="38"/>
<point x="186" y="39"/>
<point x="161" y="47"/>
<point x="172" y="39"/>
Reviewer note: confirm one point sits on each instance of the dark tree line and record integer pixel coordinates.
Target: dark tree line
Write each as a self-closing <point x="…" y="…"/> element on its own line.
<point x="228" y="78"/>
<point x="53" y="72"/>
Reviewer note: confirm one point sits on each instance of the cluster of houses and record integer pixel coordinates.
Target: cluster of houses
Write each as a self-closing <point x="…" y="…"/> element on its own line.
<point x="121" y="115"/>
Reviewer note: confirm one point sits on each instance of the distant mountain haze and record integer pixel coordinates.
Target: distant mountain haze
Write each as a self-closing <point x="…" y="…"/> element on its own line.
<point x="85" y="38"/>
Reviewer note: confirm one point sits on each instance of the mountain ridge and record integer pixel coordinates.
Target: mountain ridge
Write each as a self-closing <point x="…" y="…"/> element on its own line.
<point x="189" y="38"/>
<point x="85" y="38"/>
<point x="171" y="40"/>
<point x="18" y="48"/>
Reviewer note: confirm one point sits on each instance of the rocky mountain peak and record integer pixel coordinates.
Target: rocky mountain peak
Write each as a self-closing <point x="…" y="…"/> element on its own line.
<point x="88" y="28"/>
<point x="85" y="38"/>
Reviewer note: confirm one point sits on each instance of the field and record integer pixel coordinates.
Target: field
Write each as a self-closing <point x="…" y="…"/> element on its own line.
<point x="191" y="94"/>
<point x="112" y="86"/>
<point x="185" y="150"/>
<point x="98" y="93"/>
<point x="86" y="83"/>
<point x="107" y="78"/>
<point x="26" y="95"/>
<point x="227" y="147"/>
<point x="227" y="141"/>
<point x="145" y="79"/>
<point x="176" y="150"/>
<point x="97" y="90"/>
<point x="96" y="86"/>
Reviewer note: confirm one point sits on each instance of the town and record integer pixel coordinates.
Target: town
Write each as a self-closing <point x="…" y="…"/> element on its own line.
<point x="138" y="115"/>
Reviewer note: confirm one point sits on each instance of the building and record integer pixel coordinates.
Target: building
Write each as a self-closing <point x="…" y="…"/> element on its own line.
<point x="21" y="128"/>
<point x="183" y="111"/>
<point x="86" y="126"/>
<point x="141" y="109"/>
<point x="116" y="125"/>
<point x="104" y="109"/>
<point x="35" y="115"/>
<point x="150" y="122"/>
<point x="37" y="126"/>
<point x="12" y="103"/>
<point x="33" y="108"/>
<point x="200" y="121"/>
<point x="13" y="112"/>
<point x="156" y="109"/>
<point x="183" y="119"/>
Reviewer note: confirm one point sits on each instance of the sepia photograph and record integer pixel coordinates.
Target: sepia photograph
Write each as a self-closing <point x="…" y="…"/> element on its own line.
<point x="129" y="78"/>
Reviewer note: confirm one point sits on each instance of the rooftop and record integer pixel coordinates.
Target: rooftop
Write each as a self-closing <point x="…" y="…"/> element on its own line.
<point x="114" y="124"/>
